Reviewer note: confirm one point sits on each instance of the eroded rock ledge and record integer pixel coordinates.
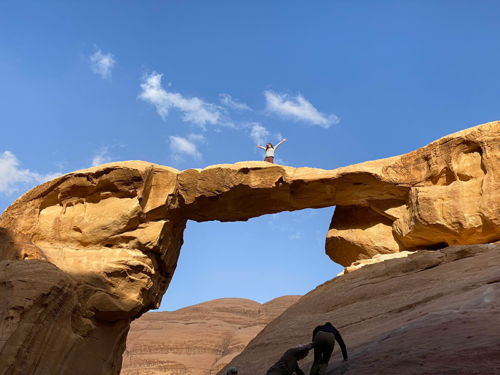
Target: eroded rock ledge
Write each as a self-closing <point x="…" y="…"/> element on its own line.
<point x="114" y="232"/>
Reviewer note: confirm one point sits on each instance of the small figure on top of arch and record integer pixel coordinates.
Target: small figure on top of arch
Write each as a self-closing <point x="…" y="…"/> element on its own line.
<point x="270" y="151"/>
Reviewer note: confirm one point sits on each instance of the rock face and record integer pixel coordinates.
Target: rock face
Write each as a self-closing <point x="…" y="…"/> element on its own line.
<point x="108" y="240"/>
<point x="197" y="340"/>
<point x="451" y="187"/>
<point x="429" y="313"/>
<point x="110" y="236"/>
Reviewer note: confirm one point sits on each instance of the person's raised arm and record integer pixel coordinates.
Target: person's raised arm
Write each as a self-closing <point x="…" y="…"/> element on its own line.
<point x="275" y="147"/>
<point x="339" y="339"/>
<point x="261" y="147"/>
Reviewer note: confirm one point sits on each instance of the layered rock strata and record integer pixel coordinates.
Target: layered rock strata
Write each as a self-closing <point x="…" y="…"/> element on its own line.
<point x="197" y="340"/>
<point x="432" y="312"/>
<point x="112" y="234"/>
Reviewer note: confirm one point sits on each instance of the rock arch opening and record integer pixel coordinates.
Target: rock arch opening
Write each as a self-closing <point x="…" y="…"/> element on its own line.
<point x="262" y="259"/>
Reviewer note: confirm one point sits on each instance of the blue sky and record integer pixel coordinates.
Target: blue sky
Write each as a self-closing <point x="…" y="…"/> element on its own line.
<point x="195" y="83"/>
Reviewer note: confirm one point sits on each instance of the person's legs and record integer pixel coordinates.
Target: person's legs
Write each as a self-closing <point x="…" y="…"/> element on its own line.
<point x="317" y="357"/>
<point x="321" y="346"/>
<point x="328" y="344"/>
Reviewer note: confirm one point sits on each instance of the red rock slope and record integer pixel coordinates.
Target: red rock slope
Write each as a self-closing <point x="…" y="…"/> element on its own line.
<point x="431" y="313"/>
<point x="197" y="340"/>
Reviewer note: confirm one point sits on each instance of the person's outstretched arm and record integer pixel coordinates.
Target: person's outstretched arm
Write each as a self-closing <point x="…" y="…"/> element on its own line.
<point x="275" y="147"/>
<point x="261" y="147"/>
<point x="339" y="339"/>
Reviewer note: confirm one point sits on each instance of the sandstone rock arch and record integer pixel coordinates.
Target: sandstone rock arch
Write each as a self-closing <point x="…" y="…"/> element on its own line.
<point x="88" y="251"/>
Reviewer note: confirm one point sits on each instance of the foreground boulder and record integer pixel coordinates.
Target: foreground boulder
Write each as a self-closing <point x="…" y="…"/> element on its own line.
<point x="198" y="339"/>
<point x="428" y="313"/>
<point x="110" y="236"/>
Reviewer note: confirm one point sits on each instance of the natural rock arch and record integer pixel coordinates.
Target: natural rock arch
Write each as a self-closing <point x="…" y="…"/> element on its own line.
<point x="85" y="253"/>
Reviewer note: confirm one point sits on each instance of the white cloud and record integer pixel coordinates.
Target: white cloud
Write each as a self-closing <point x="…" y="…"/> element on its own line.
<point x="298" y="109"/>
<point x="197" y="138"/>
<point x="102" y="64"/>
<point x="101" y="157"/>
<point x="195" y="110"/>
<point x="12" y="178"/>
<point x="181" y="146"/>
<point x="261" y="135"/>
<point x="103" y="154"/>
<point x="229" y="102"/>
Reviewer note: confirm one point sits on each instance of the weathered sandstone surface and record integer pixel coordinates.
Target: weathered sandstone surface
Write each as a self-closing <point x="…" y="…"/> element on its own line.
<point x="109" y="237"/>
<point x="433" y="312"/>
<point x="197" y="340"/>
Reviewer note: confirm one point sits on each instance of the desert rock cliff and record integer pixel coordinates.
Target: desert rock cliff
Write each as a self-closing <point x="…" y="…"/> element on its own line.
<point x="108" y="238"/>
<point x="197" y="340"/>
<point x="433" y="312"/>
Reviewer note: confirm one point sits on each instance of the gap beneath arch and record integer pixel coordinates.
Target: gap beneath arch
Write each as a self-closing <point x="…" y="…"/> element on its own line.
<point x="261" y="259"/>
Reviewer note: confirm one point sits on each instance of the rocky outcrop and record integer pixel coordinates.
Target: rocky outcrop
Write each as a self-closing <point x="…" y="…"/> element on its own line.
<point x="451" y="189"/>
<point x="110" y="237"/>
<point x="433" y="312"/>
<point x="114" y="232"/>
<point x="197" y="340"/>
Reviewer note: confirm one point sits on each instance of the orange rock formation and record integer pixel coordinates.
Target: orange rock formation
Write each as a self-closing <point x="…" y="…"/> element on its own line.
<point x="109" y="237"/>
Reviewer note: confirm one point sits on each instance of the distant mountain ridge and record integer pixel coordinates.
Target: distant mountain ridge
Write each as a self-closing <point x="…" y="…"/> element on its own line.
<point x="199" y="339"/>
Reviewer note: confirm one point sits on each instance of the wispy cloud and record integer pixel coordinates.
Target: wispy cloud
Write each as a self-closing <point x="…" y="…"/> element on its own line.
<point x="229" y="102"/>
<point x="102" y="156"/>
<point x="280" y="161"/>
<point x="197" y="138"/>
<point x="12" y="178"/>
<point x="195" y="110"/>
<point x="181" y="146"/>
<point x="296" y="236"/>
<point x="102" y="64"/>
<point x="298" y="109"/>
<point x="260" y="135"/>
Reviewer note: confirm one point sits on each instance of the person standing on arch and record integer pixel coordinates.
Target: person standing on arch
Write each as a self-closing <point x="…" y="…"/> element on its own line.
<point x="270" y="151"/>
<point x="324" y="338"/>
